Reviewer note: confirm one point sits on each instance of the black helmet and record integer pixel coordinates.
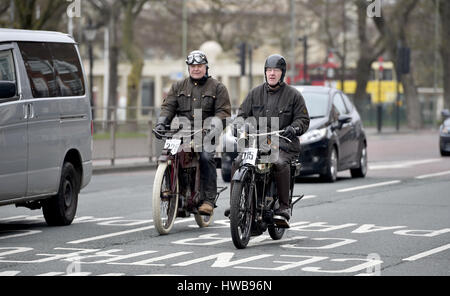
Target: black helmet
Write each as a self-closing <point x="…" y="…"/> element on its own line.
<point x="276" y="61"/>
<point x="196" y="57"/>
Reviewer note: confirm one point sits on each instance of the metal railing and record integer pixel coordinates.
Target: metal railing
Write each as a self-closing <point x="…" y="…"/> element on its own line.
<point x="127" y="134"/>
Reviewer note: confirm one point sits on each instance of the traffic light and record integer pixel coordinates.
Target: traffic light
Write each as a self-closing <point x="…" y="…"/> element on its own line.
<point x="241" y="54"/>
<point x="404" y="60"/>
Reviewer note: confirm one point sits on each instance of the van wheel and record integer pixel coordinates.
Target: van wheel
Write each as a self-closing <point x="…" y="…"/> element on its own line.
<point x="60" y="209"/>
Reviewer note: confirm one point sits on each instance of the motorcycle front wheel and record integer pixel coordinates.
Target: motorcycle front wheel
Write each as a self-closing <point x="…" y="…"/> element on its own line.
<point x="241" y="214"/>
<point x="165" y="199"/>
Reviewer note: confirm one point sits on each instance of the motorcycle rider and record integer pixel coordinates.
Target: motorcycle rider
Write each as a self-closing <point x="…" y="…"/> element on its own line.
<point x="274" y="98"/>
<point x="198" y="91"/>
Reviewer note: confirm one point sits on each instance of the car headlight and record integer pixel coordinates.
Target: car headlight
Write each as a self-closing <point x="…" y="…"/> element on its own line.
<point x="313" y="136"/>
<point x="446" y="130"/>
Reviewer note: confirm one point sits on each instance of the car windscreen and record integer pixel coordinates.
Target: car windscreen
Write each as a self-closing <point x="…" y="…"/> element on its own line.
<point x="316" y="103"/>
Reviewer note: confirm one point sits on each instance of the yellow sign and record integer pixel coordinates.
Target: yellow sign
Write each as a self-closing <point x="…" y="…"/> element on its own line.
<point x="384" y="91"/>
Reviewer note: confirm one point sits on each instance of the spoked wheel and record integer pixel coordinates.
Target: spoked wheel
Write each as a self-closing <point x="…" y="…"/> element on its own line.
<point x="241" y="214"/>
<point x="203" y="220"/>
<point x="165" y="199"/>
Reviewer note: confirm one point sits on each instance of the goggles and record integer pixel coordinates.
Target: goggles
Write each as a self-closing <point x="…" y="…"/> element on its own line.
<point x="196" y="59"/>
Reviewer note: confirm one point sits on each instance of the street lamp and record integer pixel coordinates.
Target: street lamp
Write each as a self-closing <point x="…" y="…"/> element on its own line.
<point x="90" y="32"/>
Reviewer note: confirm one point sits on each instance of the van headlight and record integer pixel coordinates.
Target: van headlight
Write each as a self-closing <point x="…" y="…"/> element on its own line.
<point x="313" y="136"/>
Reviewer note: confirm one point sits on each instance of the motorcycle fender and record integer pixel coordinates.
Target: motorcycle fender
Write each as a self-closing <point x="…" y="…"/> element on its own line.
<point x="239" y="175"/>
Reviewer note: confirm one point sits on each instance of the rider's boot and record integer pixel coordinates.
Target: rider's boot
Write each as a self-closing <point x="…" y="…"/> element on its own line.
<point x="227" y="212"/>
<point x="281" y="217"/>
<point x="206" y="209"/>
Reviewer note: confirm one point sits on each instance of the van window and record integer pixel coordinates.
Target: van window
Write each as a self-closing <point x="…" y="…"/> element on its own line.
<point x="7" y="72"/>
<point x="53" y="69"/>
<point x="7" y="75"/>
<point x="66" y="64"/>
<point x="40" y="71"/>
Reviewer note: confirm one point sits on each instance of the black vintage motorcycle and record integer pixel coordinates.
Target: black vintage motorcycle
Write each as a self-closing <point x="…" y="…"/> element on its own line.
<point x="254" y="197"/>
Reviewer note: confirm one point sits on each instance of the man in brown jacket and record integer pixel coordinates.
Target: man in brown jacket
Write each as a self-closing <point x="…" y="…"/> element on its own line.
<point x="275" y="98"/>
<point x="202" y="92"/>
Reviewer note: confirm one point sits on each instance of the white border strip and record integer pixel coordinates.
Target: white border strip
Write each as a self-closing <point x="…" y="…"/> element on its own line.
<point x="433" y="175"/>
<point x="427" y="253"/>
<point x="369" y="186"/>
<point x="121" y="233"/>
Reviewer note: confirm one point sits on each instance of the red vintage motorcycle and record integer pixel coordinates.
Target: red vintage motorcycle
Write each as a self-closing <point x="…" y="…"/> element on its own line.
<point x="176" y="187"/>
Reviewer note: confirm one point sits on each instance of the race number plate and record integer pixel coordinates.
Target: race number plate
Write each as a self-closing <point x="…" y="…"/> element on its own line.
<point x="172" y="145"/>
<point x="249" y="156"/>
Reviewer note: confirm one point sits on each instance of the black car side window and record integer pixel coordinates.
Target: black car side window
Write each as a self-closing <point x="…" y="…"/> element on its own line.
<point x="338" y="102"/>
<point x="348" y="103"/>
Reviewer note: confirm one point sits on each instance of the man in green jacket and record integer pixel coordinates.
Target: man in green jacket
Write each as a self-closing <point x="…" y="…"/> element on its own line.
<point x="202" y="92"/>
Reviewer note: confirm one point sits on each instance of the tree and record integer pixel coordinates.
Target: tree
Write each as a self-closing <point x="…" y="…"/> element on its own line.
<point x="26" y="16"/>
<point x="132" y="8"/>
<point x="109" y="12"/>
<point x="393" y="29"/>
<point x="369" y="51"/>
<point x="444" y="10"/>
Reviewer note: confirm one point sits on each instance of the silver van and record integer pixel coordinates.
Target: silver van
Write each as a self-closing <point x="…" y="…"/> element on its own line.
<point x="45" y="123"/>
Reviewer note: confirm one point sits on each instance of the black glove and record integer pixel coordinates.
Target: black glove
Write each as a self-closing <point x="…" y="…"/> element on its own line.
<point x="289" y="132"/>
<point x="160" y="127"/>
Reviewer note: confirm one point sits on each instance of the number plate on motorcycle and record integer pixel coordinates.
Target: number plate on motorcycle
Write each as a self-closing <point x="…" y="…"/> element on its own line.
<point x="249" y="156"/>
<point x="172" y="145"/>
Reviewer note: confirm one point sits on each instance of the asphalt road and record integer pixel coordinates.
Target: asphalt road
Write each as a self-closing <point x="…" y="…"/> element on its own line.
<point x="396" y="221"/>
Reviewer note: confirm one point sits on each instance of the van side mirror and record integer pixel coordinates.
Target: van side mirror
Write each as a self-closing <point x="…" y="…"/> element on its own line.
<point x="446" y="114"/>
<point x="7" y="89"/>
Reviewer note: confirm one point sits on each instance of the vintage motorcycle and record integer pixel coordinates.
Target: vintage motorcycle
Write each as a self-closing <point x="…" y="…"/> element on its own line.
<point x="254" y="197"/>
<point x="176" y="187"/>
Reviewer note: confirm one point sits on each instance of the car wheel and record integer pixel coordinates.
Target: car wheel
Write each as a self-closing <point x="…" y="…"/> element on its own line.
<point x="60" y="209"/>
<point x="361" y="171"/>
<point x="332" y="167"/>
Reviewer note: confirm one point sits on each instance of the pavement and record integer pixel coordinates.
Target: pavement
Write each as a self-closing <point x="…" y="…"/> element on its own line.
<point x="124" y="164"/>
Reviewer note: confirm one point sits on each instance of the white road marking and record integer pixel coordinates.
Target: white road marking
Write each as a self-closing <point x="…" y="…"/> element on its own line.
<point x="24" y="233"/>
<point x="9" y="273"/>
<point x="433" y="175"/>
<point x="369" y="186"/>
<point x="401" y="164"/>
<point x="427" y="253"/>
<point x="99" y="237"/>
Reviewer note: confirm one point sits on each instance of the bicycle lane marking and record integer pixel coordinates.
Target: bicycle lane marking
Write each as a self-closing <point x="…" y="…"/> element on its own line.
<point x="369" y="186"/>
<point x="428" y="253"/>
<point x="113" y="234"/>
<point x="433" y="175"/>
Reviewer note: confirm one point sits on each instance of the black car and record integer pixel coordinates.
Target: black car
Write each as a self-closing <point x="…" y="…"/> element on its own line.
<point x="335" y="141"/>
<point x="444" y="131"/>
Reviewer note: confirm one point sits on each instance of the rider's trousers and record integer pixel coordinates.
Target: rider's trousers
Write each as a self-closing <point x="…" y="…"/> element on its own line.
<point x="208" y="177"/>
